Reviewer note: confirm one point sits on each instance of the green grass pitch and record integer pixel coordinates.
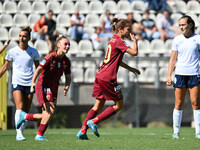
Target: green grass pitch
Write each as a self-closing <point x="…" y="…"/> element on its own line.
<point x="110" y="139"/>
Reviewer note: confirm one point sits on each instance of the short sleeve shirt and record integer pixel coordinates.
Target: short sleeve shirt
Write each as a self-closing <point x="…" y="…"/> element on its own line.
<point x="53" y="69"/>
<point x="188" y="54"/>
<point x="115" y="52"/>
<point x="22" y="64"/>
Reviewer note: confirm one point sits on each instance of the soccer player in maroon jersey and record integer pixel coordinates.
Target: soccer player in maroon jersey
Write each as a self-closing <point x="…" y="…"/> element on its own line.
<point x="106" y="86"/>
<point x="50" y="69"/>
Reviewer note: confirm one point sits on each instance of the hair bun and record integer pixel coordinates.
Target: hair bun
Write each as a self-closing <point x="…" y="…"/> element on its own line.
<point x="27" y="28"/>
<point x="60" y="36"/>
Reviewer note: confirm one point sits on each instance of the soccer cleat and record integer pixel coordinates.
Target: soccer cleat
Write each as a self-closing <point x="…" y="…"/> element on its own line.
<point x="21" y="119"/>
<point x="94" y="127"/>
<point x="40" y="138"/>
<point x="175" y="136"/>
<point x="82" y="136"/>
<point x="20" y="137"/>
<point x="198" y="136"/>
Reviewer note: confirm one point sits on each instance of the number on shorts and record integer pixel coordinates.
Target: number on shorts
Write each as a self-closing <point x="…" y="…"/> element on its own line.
<point x="108" y="53"/>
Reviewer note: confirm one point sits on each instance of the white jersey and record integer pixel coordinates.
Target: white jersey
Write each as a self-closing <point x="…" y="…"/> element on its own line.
<point x="22" y="64"/>
<point x="188" y="54"/>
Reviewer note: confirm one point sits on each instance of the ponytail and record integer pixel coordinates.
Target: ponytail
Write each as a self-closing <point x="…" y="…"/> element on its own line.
<point x="117" y="23"/>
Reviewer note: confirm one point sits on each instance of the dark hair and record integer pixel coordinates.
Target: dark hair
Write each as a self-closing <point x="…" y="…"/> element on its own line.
<point x="27" y="29"/>
<point x="50" y="11"/>
<point x="189" y="20"/>
<point x="117" y="23"/>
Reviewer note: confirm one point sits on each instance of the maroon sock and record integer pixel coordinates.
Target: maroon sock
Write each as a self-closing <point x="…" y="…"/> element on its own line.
<point x="30" y="117"/>
<point x="107" y="113"/>
<point x="91" y="114"/>
<point x="42" y="129"/>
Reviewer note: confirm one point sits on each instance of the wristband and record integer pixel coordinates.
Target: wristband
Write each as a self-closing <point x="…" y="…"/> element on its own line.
<point x="6" y="43"/>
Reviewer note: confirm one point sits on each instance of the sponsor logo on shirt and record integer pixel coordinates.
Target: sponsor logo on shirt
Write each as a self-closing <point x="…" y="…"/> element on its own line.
<point x="43" y="62"/>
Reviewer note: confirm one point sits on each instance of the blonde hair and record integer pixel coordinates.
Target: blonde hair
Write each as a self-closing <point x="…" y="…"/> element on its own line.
<point x="60" y="37"/>
<point x="117" y="23"/>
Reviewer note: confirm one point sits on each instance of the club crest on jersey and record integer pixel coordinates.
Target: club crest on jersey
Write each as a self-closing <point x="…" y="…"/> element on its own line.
<point x="117" y="88"/>
<point x="43" y="62"/>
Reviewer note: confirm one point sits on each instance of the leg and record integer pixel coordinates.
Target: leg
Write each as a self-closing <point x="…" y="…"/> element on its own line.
<point x="194" y="93"/>
<point x="91" y="114"/>
<point x="177" y="113"/>
<point x="18" y="99"/>
<point x="48" y="111"/>
<point x="107" y="113"/>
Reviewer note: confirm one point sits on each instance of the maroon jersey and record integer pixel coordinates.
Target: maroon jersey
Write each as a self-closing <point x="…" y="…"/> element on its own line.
<point x="115" y="52"/>
<point x="53" y="68"/>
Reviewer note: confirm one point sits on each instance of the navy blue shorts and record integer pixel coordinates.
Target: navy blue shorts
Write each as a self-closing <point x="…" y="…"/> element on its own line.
<point x="24" y="89"/>
<point x="182" y="81"/>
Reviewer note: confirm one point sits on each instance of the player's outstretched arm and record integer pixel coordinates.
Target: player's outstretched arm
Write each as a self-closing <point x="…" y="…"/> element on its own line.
<point x="35" y="75"/>
<point x="4" y="46"/>
<point x="67" y="83"/>
<point x="4" y="68"/>
<point x="134" y="70"/>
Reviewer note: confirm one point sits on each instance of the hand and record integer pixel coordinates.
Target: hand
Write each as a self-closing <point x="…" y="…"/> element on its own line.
<point x="32" y="90"/>
<point x="132" y="37"/>
<point x="135" y="71"/>
<point x="169" y="81"/>
<point x="65" y="90"/>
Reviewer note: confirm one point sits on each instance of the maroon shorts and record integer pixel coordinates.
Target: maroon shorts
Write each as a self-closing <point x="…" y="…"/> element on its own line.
<point x="107" y="90"/>
<point x="44" y="96"/>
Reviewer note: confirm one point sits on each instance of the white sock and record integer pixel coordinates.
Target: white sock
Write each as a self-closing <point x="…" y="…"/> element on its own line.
<point x="177" y="116"/>
<point x="196" y="114"/>
<point x="17" y="115"/>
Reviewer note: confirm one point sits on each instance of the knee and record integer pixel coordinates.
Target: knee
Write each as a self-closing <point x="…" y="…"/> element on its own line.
<point x="118" y="107"/>
<point x="179" y="106"/>
<point x="195" y="105"/>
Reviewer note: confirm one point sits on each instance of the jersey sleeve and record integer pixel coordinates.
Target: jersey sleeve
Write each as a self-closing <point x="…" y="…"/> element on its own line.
<point x="37" y="55"/>
<point x="45" y="62"/>
<point x="68" y="68"/>
<point x="9" y="56"/>
<point x="174" y="45"/>
<point x="122" y="45"/>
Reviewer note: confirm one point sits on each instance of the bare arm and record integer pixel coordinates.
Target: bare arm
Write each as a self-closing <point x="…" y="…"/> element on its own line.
<point x="4" y="46"/>
<point x="133" y="51"/>
<point x="134" y="70"/>
<point x="171" y="66"/>
<point x="67" y="83"/>
<point x="36" y="62"/>
<point x="4" y="68"/>
<point x="35" y="75"/>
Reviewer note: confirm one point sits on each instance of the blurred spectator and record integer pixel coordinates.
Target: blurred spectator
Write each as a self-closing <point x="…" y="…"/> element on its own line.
<point x="131" y="19"/>
<point x="51" y="30"/>
<point x="157" y="5"/>
<point x="149" y="28"/>
<point x="77" y="22"/>
<point x="106" y="26"/>
<point x="4" y="46"/>
<point x="40" y="29"/>
<point x="99" y="41"/>
<point x="166" y="26"/>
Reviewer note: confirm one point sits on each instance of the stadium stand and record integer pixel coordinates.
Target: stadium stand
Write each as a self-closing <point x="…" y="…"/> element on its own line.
<point x="3" y="33"/>
<point x="14" y="33"/>
<point x="24" y="7"/>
